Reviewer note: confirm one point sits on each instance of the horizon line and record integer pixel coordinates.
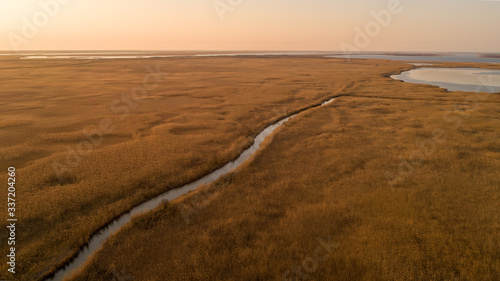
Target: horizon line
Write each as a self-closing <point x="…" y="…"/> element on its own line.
<point x="235" y="50"/>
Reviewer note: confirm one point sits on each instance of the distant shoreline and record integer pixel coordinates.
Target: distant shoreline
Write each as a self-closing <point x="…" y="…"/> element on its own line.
<point x="489" y="56"/>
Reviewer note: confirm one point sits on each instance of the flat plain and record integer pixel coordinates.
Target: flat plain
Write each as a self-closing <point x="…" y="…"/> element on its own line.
<point x="337" y="173"/>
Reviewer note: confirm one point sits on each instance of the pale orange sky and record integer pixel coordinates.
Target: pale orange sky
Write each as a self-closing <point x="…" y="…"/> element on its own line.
<point x="423" y="25"/>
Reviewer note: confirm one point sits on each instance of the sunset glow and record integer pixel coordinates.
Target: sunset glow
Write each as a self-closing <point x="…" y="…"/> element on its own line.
<point x="445" y="25"/>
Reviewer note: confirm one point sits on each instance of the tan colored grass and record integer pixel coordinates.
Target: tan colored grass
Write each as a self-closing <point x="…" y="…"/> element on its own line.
<point x="200" y="117"/>
<point x="11" y="123"/>
<point x="322" y="174"/>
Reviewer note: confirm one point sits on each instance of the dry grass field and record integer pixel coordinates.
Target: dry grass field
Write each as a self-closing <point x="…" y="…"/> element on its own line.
<point x="321" y="176"/>
<point x="201" y="114"/>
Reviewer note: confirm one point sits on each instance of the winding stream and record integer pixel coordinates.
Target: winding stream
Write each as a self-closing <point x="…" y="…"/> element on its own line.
<point x="98" y="239"/>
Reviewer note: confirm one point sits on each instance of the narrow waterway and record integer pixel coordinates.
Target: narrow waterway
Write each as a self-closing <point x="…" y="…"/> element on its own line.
<point x="97" y="240"/>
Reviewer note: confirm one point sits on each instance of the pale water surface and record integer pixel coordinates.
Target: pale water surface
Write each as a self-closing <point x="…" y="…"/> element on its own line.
<point x="447" y="57"/>
<point x="467" y="57"/>
<point x="455" y="79"/>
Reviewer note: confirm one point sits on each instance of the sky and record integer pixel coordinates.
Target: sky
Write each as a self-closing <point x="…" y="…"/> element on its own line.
<point x="315" y="25"/>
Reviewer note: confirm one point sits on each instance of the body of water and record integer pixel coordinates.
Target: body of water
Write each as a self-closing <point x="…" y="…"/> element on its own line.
<point x="448" y="57"/>
<point x="455" y="79"/>
<point x="417" y="58"/>
<point x="94" y="57"/>
<point x="149" y="54"/>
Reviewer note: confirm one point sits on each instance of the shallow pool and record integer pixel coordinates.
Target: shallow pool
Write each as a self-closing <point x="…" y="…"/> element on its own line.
<point x="455" y="79"/>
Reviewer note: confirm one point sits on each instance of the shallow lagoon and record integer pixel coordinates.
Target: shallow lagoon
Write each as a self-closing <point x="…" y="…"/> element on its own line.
<point x="455" y="79"/>
<point x="469" y="57"/>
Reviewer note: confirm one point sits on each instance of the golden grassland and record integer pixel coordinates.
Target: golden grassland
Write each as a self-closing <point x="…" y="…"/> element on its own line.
<point x="323" y="176"/>
<point x="203" y="114"/>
